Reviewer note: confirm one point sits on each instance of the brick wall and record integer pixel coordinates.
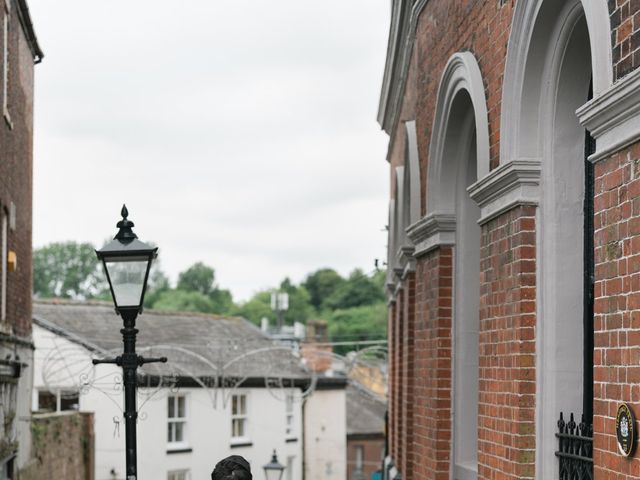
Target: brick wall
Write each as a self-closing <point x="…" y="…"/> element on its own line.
<point x="444" y="28"/>
<point x="507" y="380"/>
<point x="63" y="447"/>
<point x="617" y="306"/>
<point x="398" y="412"/>
<point x="16" y="164"/>
<point x="625" y="36"/>
<point x="373" y="448"/>
<point x="432" y="399"/>
<point x="392" y="405"/>
<point x="508" y="296"/>
<point x="408" y="376"/>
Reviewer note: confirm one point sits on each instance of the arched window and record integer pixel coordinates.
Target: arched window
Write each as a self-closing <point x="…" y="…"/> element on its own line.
<point x="459" y="156"/>
<point x="556" y="50"/>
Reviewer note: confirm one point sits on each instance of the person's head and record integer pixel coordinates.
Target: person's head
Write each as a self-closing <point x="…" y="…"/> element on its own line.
<point x="234" y="467"/>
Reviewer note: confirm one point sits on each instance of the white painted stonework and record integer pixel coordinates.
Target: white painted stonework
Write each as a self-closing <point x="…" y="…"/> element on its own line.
<point x="613" y="117"/>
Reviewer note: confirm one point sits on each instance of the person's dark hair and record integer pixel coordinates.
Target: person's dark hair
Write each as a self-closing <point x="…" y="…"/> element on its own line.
<point x="234" y="467"/>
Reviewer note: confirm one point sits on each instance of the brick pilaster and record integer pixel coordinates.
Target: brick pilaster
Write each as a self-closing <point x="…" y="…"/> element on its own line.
<point x="507" y="383"/>
<point x="432" y="365"/>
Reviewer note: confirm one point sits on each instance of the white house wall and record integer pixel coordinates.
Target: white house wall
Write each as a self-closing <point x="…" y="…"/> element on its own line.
<point x="326" y="435"/>
<point x="208" y="428"/>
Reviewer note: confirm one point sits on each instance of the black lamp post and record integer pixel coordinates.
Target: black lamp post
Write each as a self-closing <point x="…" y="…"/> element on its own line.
<point x="127" y="262"/>
<point x="273" y="470"/>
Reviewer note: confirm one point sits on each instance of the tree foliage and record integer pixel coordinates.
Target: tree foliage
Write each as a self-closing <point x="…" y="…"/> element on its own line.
<point x="67" y="270"/>
<point x="183" y="301"/>
<point x="197" y="278"/>
<point x="321" y="284"/>
<point x="367" y="322"/>
<point x="353" y="307"/>
<point x="357" y="291"/>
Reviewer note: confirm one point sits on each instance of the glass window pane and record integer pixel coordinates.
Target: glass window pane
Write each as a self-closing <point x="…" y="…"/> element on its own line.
<point x="179" y="437"/>
<point x="69" y="400"/>
<point x="170" y="433"/>
<point x="127" y="280"/>
<point x="46" y="401"/>
<point x="181" y="407"/>
<point x="234" y="405"/>
<point x="171" y="407"/>
<point x="243" y="404"/>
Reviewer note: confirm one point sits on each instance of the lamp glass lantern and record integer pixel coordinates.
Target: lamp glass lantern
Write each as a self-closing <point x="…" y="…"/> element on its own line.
<point x="127" y="262"/>
<point x="273" y="470"/>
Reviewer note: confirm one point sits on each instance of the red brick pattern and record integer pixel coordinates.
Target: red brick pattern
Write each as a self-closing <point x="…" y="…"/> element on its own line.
<point x="506" y="437"/>
<point x="372" y="449"/>
<point x="432" y="400"/>
<point x="393" y="382"/>
<point x="625" y="36"/>
<point x="444" y="28"/>
<point x="398" y="413"/>
<point x="617" y="306"/>
<point x="16" y="164"/>
<point x="408" y="378"/>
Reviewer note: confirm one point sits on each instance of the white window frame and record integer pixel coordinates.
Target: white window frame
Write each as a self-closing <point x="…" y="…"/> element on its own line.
<point x="290" y="419"/>
<point x="178" y="444"/>
<point x="58" y="393"/>
<point x="237" y="416"/>
<point x="183" y="474"/>
<point x="3" y="274"/>
<point x="289" y="471"/>
<point x="359" y="457"/>
<point x="5" y="61"/>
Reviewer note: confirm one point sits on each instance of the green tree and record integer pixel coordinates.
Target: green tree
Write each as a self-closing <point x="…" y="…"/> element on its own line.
<point x="368" y="322"/>
<point x="197" y="278"/>
<point x="256" y="308"/>
<point x="184" y="301"/>
<point x="67" y="270"/>
<point x="300" y="308"/>
<point x="222" y="301"/>
<point x="321" y="284"/>
<point x="357" y="291"/>
<point x="158" y="283"/>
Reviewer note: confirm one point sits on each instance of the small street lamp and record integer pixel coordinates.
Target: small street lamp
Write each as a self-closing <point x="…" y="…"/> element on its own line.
<point x="273" y="470"/>
<point x="127" y="262"/>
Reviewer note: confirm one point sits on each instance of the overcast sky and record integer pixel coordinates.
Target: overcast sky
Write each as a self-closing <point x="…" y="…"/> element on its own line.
<point x="239" y="133"/>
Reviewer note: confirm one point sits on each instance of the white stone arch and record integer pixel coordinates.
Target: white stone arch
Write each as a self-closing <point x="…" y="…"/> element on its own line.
<point x="458" y="157"/>
<point x="412" y="174"/>
<point x="402" y="208"/>
<point x="556" y="49"/>
<point x="461" y="73"/>
<point x="525" y="48"/>
<point x="391" y="257"/>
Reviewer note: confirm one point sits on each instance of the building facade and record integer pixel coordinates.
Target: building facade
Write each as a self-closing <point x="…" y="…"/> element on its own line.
<point x="365" y="431"/>
<point x="19" y="51"/>
<point x="514" y="236"/>
<point x="226" y="390"/>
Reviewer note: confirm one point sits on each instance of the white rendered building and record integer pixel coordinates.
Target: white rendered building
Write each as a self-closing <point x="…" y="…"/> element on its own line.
<point x="225" y="390"/>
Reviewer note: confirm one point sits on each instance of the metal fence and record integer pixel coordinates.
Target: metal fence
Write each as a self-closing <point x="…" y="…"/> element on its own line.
<point x="575" y="449"/>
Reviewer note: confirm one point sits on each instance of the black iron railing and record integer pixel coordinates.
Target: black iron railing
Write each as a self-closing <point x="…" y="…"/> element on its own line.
<point x="575" y="449"/>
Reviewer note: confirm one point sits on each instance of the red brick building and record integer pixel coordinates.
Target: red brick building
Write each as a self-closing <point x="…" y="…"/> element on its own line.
<point x="514" y="245"/>
<point x="365" y="431"/>
<point x="19" y="51"/>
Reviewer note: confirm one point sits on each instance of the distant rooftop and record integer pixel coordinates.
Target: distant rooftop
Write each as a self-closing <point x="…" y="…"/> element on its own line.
<point x="365" y="411"/>
<point x="193" y="342"/>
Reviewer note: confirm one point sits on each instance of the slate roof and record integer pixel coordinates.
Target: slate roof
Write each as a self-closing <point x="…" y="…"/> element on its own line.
<point x="365" y="411"/>
<point x="197" y="345"/>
